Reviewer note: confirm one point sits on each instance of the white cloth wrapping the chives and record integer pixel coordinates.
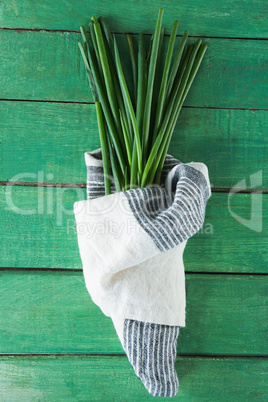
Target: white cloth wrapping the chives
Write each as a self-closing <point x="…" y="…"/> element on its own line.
<point x="131" y="242"/>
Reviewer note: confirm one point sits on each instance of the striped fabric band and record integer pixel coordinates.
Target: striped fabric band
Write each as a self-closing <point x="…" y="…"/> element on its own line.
<point x="95" y="182"/>
<point x="171" y="218"/>
<point x="169" y="164"/>
<point x="151" y="350"/>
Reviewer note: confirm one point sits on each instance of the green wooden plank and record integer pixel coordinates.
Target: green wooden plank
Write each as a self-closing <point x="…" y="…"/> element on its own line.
<point x="77" y="378"/>
<point x="48" y="66"/>
<point x="37" y="230"/>
<point x="51" y="138"/>
<point x="210" y="18"/>
<point x="225" y="241"/>
<point x="52" y="312"/>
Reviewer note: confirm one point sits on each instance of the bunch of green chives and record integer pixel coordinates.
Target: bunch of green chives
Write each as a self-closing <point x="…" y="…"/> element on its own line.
<point x="136" y="128"/>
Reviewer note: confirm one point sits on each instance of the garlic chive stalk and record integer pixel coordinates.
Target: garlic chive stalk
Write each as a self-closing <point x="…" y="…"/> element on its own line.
<point x="105" y="150"/>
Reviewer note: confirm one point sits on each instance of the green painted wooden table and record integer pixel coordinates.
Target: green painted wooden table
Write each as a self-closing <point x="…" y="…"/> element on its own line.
<point x="55" y="344"/>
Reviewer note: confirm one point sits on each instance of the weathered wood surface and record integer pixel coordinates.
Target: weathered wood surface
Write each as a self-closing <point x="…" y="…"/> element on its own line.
<point x="48" y="66"/>
<point x="52" y="312"/>
<point x="88" y="378"/>
<point x="37" y="230"/>
<point x="51" y="138"/>
<point x="211" y="18"/>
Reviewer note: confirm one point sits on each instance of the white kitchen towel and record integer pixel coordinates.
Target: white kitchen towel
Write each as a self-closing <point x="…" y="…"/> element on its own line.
<point x="131" y="242"/>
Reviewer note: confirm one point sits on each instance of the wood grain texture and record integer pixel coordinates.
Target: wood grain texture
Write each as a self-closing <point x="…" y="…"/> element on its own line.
<point x="38" y="230"/>
<point x="51" y="138"/>
<point x="210" y="18"/>
<point x="82" y="378"/>
<point x="52" y="312"/>
<point x="48" y="66"/>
